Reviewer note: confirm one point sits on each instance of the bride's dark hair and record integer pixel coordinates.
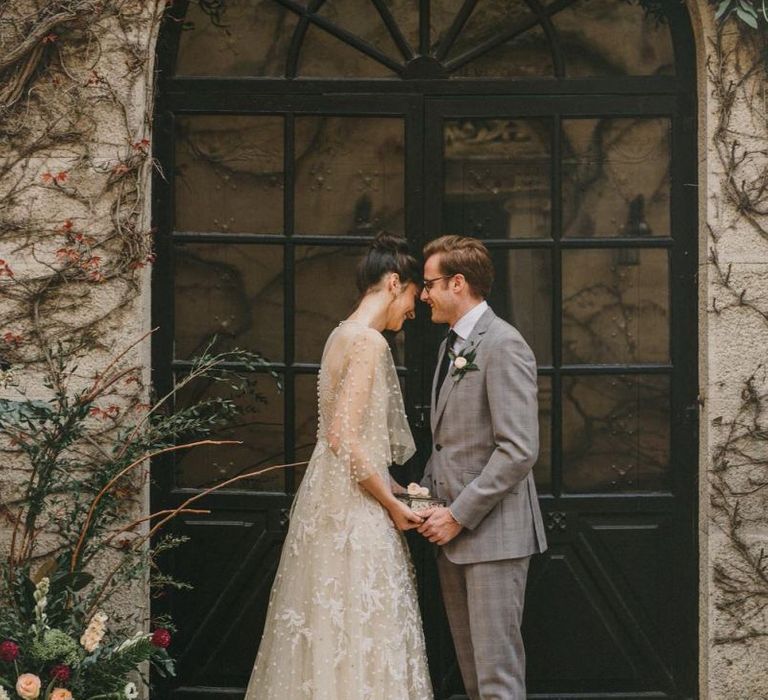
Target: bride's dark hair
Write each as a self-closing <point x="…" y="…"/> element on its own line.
<point x="387" y="253"/>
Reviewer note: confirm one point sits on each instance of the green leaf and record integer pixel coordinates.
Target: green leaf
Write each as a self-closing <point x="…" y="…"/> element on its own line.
<point x="75" y="581"/>
<point x="747" y="18"/>
<point x="722" y="8"/>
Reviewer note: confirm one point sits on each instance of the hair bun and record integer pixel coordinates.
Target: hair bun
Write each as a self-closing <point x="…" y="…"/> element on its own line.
<point x="386" y="242"/>
<point x="387" y="252"/>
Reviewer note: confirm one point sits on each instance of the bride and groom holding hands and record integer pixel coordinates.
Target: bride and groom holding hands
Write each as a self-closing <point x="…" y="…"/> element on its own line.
<point x="343" y="621"/>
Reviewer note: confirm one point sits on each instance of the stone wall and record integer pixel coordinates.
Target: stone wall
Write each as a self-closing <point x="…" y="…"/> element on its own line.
<point x="733" y="337"/>
<point x="75" y="220"/>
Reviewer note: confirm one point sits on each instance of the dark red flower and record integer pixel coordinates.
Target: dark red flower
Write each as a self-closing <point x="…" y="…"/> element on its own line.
<point x="61" y="673"/>
<point x="161" y="638"/>
<point x="9" y="651"/>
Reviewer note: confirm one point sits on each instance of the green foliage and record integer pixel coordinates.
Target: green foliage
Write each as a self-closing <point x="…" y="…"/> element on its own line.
<point x="55" y="647"/>
<point x="753" y="13"/>
<point x="85" y="451"/>
<point x="107" y="668"/>
<point x="749" y="13"/>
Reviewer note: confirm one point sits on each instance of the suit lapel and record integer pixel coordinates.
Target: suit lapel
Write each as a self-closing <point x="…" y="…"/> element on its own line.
<point x="474" y="338"/>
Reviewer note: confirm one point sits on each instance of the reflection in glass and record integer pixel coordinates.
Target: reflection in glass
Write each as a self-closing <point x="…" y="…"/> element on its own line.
<point x="232" y="291"/>
<point x="497" y="177"/>
<point x="542" y="470"/>
<point x="616" y="177"/>
<point x="522" y="296"/>
<point x="486" y="21"/>
<point x="236" y="37"/>
<point x="322" y="54"/>
<point x="229" y="174"/>
<point x="441" y="16"/>
<point x="595" y="37"/>
<point x="604" y="37"/>
<point x="350" y="175"/>
<point x="259" y="427"/>
<point x="615" y="434"/>
<point x="326" y="292"/>
<point x="362" y="20"/>
<point x="615" y="306"/>
<point x="528" y="55"/>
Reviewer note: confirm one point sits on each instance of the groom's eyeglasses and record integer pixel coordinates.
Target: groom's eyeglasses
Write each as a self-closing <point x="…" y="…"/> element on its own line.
<point x="428" y="283"/>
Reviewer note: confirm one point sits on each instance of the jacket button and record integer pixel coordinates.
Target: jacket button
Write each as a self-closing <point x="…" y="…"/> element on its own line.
<point x="438" y="447"/>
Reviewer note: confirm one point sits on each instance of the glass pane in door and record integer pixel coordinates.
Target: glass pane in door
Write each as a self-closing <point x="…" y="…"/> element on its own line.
<point x="229" y="174"/>
<point x="616" y="434"/>
<point x="616" y="177"/>
<point x="233" y="292"/>
<point x="497" y="177"/>
<point x="616" y="306"/>
<point x="350" y="175"/>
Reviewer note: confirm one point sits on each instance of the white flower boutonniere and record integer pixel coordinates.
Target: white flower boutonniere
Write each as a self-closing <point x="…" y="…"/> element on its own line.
<point x="463" y="362"/>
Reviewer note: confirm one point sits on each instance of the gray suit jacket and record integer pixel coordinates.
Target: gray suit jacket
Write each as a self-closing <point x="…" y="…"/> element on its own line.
<point x="485" y="441"/>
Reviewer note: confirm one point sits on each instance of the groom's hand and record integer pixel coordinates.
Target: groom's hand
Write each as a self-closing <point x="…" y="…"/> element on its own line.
<point x="440" y="527"/>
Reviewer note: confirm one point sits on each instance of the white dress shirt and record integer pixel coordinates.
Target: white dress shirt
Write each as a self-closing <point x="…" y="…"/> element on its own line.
<point x="466" y="324"/>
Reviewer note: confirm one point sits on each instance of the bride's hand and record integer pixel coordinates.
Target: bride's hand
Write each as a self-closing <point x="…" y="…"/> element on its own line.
<point x="397" y="488"/>
<point x="403" y="517"/>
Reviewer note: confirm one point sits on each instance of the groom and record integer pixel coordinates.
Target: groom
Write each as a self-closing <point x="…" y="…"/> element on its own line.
<point x="485" y="441"/>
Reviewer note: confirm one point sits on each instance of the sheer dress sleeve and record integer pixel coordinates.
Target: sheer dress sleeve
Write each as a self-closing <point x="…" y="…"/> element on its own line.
<point x="368" y="430"/>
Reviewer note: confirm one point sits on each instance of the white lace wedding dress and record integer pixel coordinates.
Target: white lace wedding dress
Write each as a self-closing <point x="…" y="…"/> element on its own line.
<point x="343" y="621"/>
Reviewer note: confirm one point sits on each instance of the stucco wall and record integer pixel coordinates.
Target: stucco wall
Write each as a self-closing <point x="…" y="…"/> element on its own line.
<point x="91" y="95"/>
<point x="732" y="342"/>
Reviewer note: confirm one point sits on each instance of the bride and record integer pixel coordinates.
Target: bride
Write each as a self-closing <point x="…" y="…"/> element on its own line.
<point x="343" y="621"/>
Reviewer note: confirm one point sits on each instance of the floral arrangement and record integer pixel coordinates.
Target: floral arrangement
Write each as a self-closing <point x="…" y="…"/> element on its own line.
<point x="77" y="464"/>
<point x="50" y="663"/>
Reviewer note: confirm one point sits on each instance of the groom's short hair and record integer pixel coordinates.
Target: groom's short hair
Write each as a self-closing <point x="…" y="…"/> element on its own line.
<point x="466" y="256"/>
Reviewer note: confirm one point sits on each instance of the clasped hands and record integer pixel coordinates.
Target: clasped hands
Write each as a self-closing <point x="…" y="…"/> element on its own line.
<point x="436" y="524"/>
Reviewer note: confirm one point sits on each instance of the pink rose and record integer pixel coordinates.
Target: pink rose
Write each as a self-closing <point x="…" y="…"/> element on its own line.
<point x="28" y="686"/>
<point x="60" y="694"/>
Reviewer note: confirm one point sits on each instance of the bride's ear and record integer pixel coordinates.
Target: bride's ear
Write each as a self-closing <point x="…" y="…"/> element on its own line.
<point x="393" y="284"/>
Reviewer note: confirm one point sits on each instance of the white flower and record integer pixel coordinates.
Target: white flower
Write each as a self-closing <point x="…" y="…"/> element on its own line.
<point x="413" y="489"/>
<point x="41" y="601"/>
<point x="460" y="362"/>
<point x="424" y="491"/>
<point x="41" y="590"/>
<point x="94" y="633"/>
<point x="4" y="694"/>
<point x="130" y="691"/>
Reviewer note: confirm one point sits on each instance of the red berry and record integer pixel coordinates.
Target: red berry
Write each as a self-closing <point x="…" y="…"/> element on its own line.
<point x="161" y="638"/>
<point x="9" y="651"/>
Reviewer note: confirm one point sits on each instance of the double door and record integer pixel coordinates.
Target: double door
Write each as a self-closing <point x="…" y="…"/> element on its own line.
<point x="582" y="202"/>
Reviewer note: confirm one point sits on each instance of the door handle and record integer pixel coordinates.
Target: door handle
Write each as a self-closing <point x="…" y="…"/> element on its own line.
<point x="421" y="416"/>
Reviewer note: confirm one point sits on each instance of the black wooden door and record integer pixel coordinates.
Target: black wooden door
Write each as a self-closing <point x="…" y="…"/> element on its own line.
<point x="582" y="186"/>
<point x="610" y="610"/>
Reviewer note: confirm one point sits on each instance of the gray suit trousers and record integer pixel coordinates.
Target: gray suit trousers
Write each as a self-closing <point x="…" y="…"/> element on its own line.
<point x="484" y="602"/>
